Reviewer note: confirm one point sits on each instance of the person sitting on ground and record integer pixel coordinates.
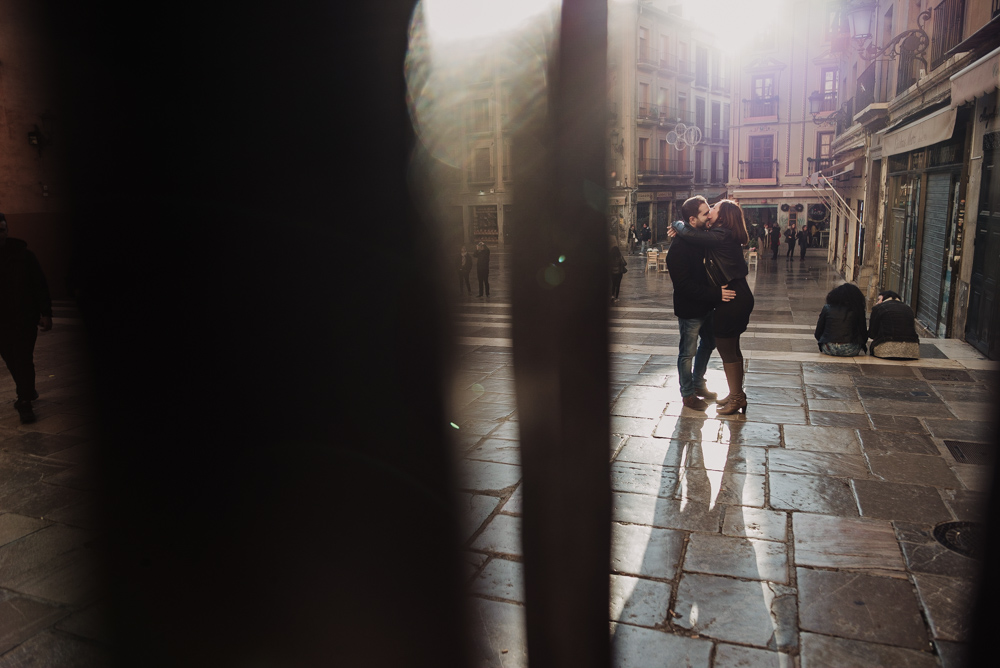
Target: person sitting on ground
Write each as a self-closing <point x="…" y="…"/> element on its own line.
<point x="892" y="329"/>
<point x="841" y="330"/>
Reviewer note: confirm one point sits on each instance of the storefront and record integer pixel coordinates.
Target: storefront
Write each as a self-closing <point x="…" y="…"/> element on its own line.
<point x="925" y="202"/>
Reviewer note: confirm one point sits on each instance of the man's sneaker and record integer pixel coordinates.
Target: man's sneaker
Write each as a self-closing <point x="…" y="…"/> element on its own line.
<point x="24" y="410"/>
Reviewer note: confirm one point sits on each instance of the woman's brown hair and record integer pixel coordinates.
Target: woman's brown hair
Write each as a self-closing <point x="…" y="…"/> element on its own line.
<point x="731" y="218"/>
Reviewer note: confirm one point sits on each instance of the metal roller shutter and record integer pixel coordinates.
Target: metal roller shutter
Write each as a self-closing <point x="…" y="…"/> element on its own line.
<point x="933" y="251"/>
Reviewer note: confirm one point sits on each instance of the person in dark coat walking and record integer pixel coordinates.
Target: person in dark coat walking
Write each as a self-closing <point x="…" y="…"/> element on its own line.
<point x="644" y="236"/>
<point x="25" y="306"/>
<point x="774" y="240"/>
<point x="464" y="269"/>
<point x="482" y="256"/>
<point x="616" y="263"/>
<point x="790" y="240"/>
<point x="803" y="237"/>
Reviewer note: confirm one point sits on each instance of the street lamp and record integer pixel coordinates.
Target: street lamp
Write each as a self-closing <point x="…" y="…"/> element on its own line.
<point x="861" y="21"/>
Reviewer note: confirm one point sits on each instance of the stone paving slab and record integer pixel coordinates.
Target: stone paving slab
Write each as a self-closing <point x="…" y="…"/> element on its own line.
<point x="633" y="647"/>
<point x="846" y="543"/>
<point x="761" y="614"/>
<point x="737" y="557"/>
<point x="861" y="607"/>
<point x="820" y="651"/>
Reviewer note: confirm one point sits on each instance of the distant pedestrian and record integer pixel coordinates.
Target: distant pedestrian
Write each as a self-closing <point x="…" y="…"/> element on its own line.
<point x="644" y="236"/>
<point x="25" y="306"/>
<point x="774" y="240"/>
<point x="803" y="237"/>
<point x="632" y="239"/>
<point x="617" y="266"/>
<point x="482" y="256"/>
<point x="892" y="330"/>
<point x="815" y="235"/>
<point x="841" y="330"/>
<point x="464" y="269"/>
<point x="790" y="240"/>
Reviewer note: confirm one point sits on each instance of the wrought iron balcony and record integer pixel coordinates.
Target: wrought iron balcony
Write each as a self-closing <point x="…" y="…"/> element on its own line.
<point x="761" y="107"/>
<point x="758" y="169"/>
<point x="819" y="164"/>
<point x="648" y="57"/>
<point x="947" y="29"/>
<point x="655" y="167"/>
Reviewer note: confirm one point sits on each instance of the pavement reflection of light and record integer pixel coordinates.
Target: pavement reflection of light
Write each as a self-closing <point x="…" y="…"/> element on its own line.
<point x="693" y="618"/>
<point x="715" y="481"/>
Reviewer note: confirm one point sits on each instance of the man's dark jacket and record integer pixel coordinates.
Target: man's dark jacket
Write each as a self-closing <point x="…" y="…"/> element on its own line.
<point x="775" y="238"/>
<point x="645" y="234"/>
<point x="892" y="320"/>
<point x="482" y="261"/>
<point x="694" y="297"/>
<point x="24" y="292"/>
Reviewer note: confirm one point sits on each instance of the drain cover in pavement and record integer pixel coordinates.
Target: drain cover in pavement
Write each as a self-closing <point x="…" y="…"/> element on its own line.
<point x="966" y="538"/>
<point x="969" y="453"/>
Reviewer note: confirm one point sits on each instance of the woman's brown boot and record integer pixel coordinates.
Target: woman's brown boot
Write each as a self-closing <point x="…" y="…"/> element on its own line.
<point x="737" y="400"/>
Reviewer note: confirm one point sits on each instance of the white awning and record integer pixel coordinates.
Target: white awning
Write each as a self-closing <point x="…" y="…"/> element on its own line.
<point x="976" y="80"/>
<point x="932" y="129"/>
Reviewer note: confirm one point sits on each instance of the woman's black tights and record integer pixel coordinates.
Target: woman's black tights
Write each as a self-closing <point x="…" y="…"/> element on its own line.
<point x="729" y="349"/>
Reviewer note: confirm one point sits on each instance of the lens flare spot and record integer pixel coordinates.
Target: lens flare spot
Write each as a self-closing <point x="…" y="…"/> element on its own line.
<point x="562" y="258"/>
<point x="478" y="389"/>
<point x="455" y="426"/>
<point x="554" y="275"/>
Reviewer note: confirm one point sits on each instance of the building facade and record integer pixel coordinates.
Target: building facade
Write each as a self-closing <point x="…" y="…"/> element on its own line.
<point x="777" y="143"/>
<point x="668" y="114"/>
<point x="33" y="190"/>
<point x="919" y="212"/>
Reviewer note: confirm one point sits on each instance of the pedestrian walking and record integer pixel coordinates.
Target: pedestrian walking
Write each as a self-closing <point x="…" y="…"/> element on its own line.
<point x="25" y="307"/>
<point x="774" y="240"/>
<point x="695" y="301"/>
<point x="632" y="239"/>
<point x="482" y="256"/>
<point x="644" y="236"/>
<point x="464" y="269"/>
<point x="617" y="266"/>
<point x="790" y="233"/>
<point x="723" y="243"/>
<point x="841" y="329"/>
<point x="803" y="237"/>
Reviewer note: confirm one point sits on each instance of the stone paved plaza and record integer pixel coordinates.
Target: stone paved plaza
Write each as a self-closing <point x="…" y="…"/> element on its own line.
<point x="801" y="534"/>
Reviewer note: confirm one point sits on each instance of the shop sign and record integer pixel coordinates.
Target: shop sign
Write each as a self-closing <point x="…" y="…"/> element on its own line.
<point x="644" y="197"/>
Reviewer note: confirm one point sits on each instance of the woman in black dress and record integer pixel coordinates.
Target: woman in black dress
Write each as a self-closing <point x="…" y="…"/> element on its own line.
<point x="724" y="242"/>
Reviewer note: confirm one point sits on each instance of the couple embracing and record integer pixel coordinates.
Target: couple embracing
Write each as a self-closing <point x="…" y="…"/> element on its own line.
<point x="712" y="300"/>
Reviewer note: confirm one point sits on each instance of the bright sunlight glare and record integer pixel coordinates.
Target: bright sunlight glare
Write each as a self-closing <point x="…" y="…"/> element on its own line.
<point x="735" y="22"/>
<point x="461" y="20"/>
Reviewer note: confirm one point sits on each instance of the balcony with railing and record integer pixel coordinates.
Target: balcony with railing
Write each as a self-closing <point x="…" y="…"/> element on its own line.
<point x="669" y="115"/>
<point x="947" y="29"/>
<point x="820" y="165"/>
<point x="826" y="101"/>
<point x="718" y="175"/>
<point x="685" y="69"/>
<point x="720" y="83"/>
<point x="761" y="108"/>
<point x="648" y="113"/>
<point x="668" y="63"/>
<point x="716" y="136"/>
<point x="648" y="58"/>
<point x="701" y="175"/>
<point x="846" y="119"/>
<point x="871" y="100"/>
<point x="650" y="167"/>
<point x="759" y="172"/>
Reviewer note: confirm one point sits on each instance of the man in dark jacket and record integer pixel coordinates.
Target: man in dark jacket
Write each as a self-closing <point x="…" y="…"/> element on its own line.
<point x="482" y="255"/>
<point x="790" y="240"/>
<point x="803" y="237"/>
<point x="644" y="236"/>
<point x="892" y="330"/>
<point x="774" y="240"/>
<point x="24" y="307"/>
<point x="694" y="304"/>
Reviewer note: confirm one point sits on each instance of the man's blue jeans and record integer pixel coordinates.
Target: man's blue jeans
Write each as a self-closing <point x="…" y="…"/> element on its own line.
<point x="690" y="349"/>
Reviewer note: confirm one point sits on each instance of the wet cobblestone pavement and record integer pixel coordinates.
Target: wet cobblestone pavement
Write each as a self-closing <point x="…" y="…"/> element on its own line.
<point x="800" y="534"/>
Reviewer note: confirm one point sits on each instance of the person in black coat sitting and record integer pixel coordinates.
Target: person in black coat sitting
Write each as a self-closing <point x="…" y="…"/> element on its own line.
<point x="892" y="329"/>
<point x="841" y="330"/>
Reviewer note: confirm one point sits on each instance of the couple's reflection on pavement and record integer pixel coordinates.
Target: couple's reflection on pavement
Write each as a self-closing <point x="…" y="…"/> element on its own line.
<point x="722" y="583"/>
